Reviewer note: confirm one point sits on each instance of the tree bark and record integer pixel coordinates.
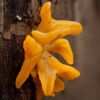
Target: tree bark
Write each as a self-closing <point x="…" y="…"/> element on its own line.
<point x="17" y="19"/>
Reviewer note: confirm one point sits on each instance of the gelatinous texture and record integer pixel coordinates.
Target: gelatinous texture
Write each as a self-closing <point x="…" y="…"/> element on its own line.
<point x="50" y="36"/>
<point x="44" y="67"/>
<point x="62" y="47"/>
<point x="49" y="24"/>
<point x="33" y="52"/>
<point x="48" y="67"/>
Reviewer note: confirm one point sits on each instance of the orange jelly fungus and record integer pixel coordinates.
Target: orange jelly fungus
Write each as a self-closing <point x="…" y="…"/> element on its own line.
<point x="44" y="68"/>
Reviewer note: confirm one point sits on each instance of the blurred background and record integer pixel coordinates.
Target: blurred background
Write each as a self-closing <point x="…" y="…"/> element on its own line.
<point x="85" y="46"/>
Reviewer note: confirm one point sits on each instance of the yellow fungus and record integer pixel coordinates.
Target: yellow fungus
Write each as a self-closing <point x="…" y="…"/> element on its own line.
<point x="62" y="47"/>
<point x="59" y="85"/>
<point x="50" y="36"/>
<point x="39" y="92"/>
<point x="44" y="67"/>
<point x="48" y="67"/>
<point x="48" y="24"/>
<point x="31" y="48"/>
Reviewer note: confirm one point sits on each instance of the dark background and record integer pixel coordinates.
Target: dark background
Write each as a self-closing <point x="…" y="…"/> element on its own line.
<point x="85" y="46"/>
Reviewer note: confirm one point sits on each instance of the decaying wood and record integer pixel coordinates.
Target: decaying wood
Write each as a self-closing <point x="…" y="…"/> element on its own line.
<point x="17" y="19"/>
